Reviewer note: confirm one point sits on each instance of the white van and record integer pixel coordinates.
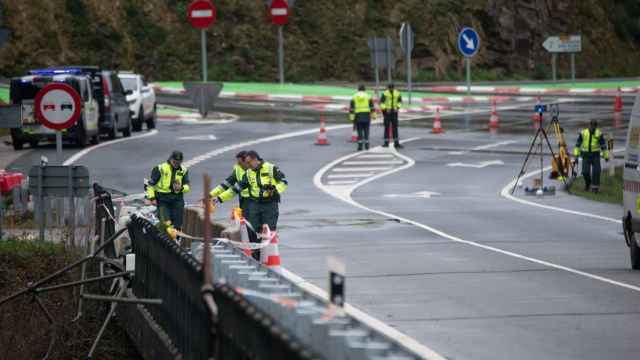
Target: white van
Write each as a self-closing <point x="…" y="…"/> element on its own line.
<point x="631" y="218"/>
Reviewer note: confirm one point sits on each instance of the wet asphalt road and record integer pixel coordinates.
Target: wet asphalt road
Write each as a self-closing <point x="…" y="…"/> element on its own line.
<point x="460" y="298"/>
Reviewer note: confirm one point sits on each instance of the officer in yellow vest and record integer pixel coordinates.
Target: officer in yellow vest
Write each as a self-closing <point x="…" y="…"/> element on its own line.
<point x="590" y="144"/>
<point x="265" y="183"/>
<point x="361" y="110"/>
<point x="166" y="188"/>
<point x="236" y="176"/>
<point x="390" y="104"/>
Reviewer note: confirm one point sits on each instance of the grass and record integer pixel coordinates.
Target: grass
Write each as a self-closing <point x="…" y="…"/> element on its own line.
<point x="610" y="188"/>
<point x="4" y="95"/>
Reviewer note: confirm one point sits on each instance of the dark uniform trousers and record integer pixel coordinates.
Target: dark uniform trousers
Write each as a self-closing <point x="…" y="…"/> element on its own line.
<point x="262" y="212"/>
<point x="363" y="125"/>
<point x="171" y="207"/>
<point x="390" y="125"/>
<point x="591" y="168"/>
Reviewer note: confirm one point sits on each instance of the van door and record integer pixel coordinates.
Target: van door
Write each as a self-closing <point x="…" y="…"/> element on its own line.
<point x="631" y="174"/>
<point x="121" y="106"/>
<point x="91" y="112"/>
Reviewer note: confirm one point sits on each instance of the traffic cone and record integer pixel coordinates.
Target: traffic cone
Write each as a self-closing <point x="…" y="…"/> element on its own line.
<point x="536" y="115"/>
<point x="270" y="255"/>
<point x="494" y="120"/>
<point x="437" y="124"/>
<point x="244" y="235"/>
<point x="354" y="134"/>
<point x="617" y="104"/>
<point x="322" y="137"/>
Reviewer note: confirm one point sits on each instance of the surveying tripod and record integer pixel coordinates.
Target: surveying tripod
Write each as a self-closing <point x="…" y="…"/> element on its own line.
<point x="541" y="138"/>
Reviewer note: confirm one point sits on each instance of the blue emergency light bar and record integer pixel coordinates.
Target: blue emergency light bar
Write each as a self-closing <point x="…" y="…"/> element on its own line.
<point x="53" y="72"/>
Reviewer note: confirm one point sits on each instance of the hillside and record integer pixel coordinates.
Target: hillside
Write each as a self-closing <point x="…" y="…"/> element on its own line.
<point x="326" y="40"/>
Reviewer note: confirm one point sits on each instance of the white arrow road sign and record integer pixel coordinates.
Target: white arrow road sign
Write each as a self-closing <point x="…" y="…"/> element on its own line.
<point x="418" y="195"/>
<point x="479" y="165"/>
<point x="470" y="43"/>
<point x="199" y="138"/>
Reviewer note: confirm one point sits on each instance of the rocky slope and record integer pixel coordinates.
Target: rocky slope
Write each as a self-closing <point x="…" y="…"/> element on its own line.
<point x="325" y="40"/>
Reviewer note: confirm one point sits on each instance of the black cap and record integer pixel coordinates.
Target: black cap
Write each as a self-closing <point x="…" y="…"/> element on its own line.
<point x="593" y="123"/>
<point x="176" y="155"/>
<point x="253" y="154"/>
<point x="241" y="155"/>
<point x="360" y="87"/>
<point x="391" y="86"/>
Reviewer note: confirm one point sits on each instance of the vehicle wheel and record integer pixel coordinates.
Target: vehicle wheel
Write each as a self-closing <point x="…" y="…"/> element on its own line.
<point x="82" y="137"/>
<point x="33" y="144"/>
<point x="151" y="122"/>
<point x="95" y="140"/>
<point x="127" y="131"/>
<point x="630" y="238"/>
<point x="137" y="124"/>
<point x="17" y="144"/>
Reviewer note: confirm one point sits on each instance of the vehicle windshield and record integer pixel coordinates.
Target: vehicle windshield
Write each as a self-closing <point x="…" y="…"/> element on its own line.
<point x="129" y="84"/>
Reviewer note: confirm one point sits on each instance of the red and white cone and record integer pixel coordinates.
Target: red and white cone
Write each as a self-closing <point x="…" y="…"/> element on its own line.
<point x="244" y="235"/>
<point x="536" y="115"/>
<point x="494" y="120"/>
<point x="617" y="104"/>
<point x="270" y="255"/>
<point x="354" y="134"/>
<point x="322" y="137"/>
<point x="437" y="123"/>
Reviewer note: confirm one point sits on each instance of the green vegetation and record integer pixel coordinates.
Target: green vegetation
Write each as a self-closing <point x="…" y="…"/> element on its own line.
<point x="4" y="95"/>
<point x="24" y="331"/>
<point x="610" y="188"/>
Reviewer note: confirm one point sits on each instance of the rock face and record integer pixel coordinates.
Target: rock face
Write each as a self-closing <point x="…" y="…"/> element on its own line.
<point x="325" y="40"/>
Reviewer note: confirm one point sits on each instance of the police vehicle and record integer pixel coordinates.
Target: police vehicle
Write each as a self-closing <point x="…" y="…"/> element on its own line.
<point x="23" y="91"/>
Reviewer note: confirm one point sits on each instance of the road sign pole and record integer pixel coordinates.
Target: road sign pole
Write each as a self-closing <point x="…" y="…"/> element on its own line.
<point x="375" y="65"/>
<point x="59" y="144"/>
<point x="468" y="66"/>
<point x="388" y="55"/>
<point x="554" y="62"/>
<point x="203" y="44"/>
<point x="409" y="41"/>
<point x="573" y="68"/>
<point x="281" y="55"/>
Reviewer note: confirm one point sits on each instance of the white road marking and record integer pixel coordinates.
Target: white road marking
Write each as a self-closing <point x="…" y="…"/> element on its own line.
<point x="199" y="138"/>
<point x="480" y="165"/>
<point x="342" y="182"/>
<point x="417" y="195"/>
<point x="352" y="169"/>
<point x="386" y="162"/>
<point x="77" y="156"/>
<point x="483" y="147"/>
<point x="347" y="176"/>
<point x="344" y="194"/>
<point x="375" y="156"/>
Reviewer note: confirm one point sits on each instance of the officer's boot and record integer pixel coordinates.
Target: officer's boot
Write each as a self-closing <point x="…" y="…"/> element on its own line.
<point x="386" y="143"/>
<point x="359" y="146"/>
<point x="398" y="145"/>
<point x="366" y="145"/>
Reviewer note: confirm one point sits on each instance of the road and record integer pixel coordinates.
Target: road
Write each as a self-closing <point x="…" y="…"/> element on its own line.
<point x="432" y="245"/>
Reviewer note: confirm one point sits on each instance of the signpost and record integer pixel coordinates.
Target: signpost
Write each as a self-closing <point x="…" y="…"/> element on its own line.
<point x="381" y="57"/>
<point x="563" y="44"/>
<point x="57" y="106"/>
<point x="468" y="44"/>
<point x="279" y="10"/>
<point x="201" y="15"/>
<point x="407" y="43"/>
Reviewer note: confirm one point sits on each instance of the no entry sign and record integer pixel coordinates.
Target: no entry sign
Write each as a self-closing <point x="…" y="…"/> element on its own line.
<point x="57" y="106"/>
<point x="279" y="12"/>
<point x="201" y="14"/>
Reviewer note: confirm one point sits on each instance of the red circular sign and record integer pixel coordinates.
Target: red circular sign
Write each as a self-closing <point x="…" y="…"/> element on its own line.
<point x="57" y="106"/>
<point x="279" y="11"/>
<point x="201" y="14"/>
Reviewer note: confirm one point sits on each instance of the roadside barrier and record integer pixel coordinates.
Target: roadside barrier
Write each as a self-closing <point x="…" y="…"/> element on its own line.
<point x="617" y="103"/>
<point x="251" y="311"/>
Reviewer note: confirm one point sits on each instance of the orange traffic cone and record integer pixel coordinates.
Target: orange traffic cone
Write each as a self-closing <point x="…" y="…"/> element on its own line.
<point x="270" y="255"/>
<point x="354" y="134"/>
<point x="244" y="235"/>
<point x="617" y="104"/>
<point x="437" y="124"/>
<point x="494" y="120"/>
<point x="322" y="137"/>
<point x="536" y="115"/>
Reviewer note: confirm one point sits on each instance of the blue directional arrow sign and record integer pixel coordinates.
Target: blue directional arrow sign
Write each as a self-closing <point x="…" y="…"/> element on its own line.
<point x="468" y="42"/>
